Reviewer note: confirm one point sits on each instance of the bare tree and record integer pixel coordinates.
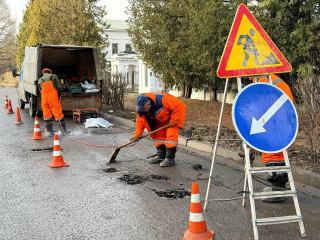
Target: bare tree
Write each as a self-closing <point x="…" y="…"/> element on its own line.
<point x="113" y="90"/>
<point x="308" y="92"/>
<point x="7" y="38"/>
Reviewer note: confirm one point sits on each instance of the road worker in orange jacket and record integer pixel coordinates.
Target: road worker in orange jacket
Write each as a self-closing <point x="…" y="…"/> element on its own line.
<point x="277" y="179"/>
<point x="155" y="111"/>
<point x="50" y="89"/>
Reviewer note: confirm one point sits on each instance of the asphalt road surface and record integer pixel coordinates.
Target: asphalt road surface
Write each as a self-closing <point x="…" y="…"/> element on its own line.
<point x="84" y="201"/>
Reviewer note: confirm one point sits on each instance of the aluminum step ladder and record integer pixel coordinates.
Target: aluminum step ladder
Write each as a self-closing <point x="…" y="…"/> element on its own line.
<point x="248" y="187"/>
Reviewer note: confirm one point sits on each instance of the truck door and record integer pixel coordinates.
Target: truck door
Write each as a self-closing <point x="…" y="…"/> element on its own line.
<point x="31" y="69"/>
<point x="98" y="65"/>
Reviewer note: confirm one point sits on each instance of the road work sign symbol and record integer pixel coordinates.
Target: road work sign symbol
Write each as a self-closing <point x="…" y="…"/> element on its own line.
<point x="249" y="50"/>
<point x="265" y="117"/>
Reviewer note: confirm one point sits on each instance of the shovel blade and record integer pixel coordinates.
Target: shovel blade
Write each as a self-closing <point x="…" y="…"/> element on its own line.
<point x="114" y="155"/>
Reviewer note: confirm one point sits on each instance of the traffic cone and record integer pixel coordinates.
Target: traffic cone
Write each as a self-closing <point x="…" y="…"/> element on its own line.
<point x="18" y="118"/>
<point x="36" y="132"/>
<point x="57" y="160"/>
<point x="197" y="225"/>
<point x="6" y="102"/>
<point x="9" y="108"/>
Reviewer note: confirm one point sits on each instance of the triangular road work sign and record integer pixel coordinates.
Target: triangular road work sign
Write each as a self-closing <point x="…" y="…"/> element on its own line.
<point x="249" y="50"/>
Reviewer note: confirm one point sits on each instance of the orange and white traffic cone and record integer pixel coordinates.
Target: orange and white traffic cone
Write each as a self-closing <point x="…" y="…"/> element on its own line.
<point x="18" y="117"/>
<point x="57" y="160"/>
<point x="6" y="102"/>
<point x="197" y="225"/>
<point x="9" y="108"/>
<point x="36" y="131"/>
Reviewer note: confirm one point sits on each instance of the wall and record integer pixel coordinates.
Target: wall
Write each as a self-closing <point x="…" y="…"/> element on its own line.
<point x="118" y="36"/>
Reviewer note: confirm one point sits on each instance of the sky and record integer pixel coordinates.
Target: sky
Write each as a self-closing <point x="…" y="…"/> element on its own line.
<point x="115" y="8"/>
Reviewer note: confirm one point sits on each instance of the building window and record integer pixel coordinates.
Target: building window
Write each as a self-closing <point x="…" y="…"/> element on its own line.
<point x="114" y="48"/>
<point x="128" y="48"/>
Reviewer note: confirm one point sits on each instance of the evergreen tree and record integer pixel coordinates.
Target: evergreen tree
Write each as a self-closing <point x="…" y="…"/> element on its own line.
<point x="294" y="26"/>
<point x="74" y="22"/>
<point x="182" y="40"/>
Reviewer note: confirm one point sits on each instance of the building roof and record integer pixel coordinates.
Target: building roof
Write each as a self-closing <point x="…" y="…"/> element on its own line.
<point x="117" y="24"/>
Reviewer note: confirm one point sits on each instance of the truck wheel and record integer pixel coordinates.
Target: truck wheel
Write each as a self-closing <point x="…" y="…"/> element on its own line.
<point x="32" y="106"/>
<point x="21" y="103"/>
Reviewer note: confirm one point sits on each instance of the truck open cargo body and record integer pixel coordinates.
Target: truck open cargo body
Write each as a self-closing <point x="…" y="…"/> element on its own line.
<point x="73" y="65"/>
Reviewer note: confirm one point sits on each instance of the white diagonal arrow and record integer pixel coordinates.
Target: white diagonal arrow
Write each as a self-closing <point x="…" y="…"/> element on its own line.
<point x="257" y="125"/>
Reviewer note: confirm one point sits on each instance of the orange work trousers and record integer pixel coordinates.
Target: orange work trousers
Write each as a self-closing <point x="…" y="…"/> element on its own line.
<point x="272" y="157"/>
<point x="50" y="102"/>
<point x="167" y="136"/>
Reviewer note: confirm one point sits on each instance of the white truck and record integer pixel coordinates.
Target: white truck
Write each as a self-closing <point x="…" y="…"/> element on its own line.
<point x="76" y="61"/>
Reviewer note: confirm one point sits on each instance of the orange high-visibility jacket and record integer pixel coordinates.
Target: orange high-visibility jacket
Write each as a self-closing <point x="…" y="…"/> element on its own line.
<point x="270" y="157"/>
<point x="166" y="107"/>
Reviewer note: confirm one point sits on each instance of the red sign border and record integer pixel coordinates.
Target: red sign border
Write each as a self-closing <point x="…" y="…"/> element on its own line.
<point x="223" y="73"/>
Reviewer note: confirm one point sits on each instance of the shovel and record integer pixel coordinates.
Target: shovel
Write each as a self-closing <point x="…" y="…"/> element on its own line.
<point x="116" y="151"/>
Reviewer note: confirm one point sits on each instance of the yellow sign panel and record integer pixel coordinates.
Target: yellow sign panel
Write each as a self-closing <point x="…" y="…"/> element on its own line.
<point x="251" y="49"/>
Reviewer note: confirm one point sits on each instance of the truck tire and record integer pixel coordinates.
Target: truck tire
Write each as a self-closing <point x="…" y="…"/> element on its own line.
<point x="21" y="103"/>
<point x="32" y="106"/>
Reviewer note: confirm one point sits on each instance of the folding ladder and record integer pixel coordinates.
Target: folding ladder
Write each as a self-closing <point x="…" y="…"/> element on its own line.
<point x="248" y="186"/>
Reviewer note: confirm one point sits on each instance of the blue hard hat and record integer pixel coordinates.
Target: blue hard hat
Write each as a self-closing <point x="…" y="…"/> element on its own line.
<point x="141" y="101"/>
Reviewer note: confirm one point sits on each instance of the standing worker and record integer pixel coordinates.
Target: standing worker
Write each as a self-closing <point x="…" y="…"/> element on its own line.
<point x="50" y="89"/>
<point x="277" y="179"/>
<point x="155" y="111"/>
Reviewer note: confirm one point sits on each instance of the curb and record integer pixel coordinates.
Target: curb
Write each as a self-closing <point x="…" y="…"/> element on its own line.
<point x="300" y="175"/>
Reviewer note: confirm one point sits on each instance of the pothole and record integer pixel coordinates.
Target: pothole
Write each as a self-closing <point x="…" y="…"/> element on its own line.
<point x="159" y="177"/>
<point x="50" y="149"/>
<point x="111" y="170"/>
<point x="173" y="193"/>
<point x="133" y="179"/>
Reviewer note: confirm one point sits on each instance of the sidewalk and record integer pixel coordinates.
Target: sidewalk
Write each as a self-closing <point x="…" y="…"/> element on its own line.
<point x="300" y="175"/>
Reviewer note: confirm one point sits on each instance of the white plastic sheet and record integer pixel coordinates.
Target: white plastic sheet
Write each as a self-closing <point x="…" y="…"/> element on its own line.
<point x="92" y="90"/>
<point x="97" y="123"/>
<point x="88" y="85"/>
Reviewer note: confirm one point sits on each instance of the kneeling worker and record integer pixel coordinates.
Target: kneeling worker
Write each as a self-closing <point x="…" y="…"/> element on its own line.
<point x="278" y="180"/>
<point x="50" y="89"/>
<point x="155" y="111"/>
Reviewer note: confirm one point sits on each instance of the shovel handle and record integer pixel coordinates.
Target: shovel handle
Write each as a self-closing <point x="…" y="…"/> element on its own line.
<point x="145" y="135"/>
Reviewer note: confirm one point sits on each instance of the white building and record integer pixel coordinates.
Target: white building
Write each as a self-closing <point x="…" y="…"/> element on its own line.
<point x="148" y="82"/>
<point x="119" y="40"/>
<point x="126" y="64"/>
<point x="125" y="61"/>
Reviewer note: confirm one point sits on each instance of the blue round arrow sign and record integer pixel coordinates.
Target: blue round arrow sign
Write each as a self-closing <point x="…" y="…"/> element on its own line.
<point x="265" y="117"/>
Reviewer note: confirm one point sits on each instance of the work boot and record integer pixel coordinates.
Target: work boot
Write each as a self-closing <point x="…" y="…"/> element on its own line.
<point x="169" y="160"/>
<point x="161" y="154"/>
<point x="48" y="127"/>
<point x="278" y="181"/>
<point x="63" y="126"/>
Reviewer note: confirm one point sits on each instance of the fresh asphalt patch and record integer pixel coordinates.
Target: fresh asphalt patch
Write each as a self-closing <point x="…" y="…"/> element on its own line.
<point x="133" y="179"/>
<point x="172" y="193"/>
<point x="49" y="149"/>
<point x="137" y="179"/>
<point x="111" y="170"/>
<point x="154" y="176"/>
